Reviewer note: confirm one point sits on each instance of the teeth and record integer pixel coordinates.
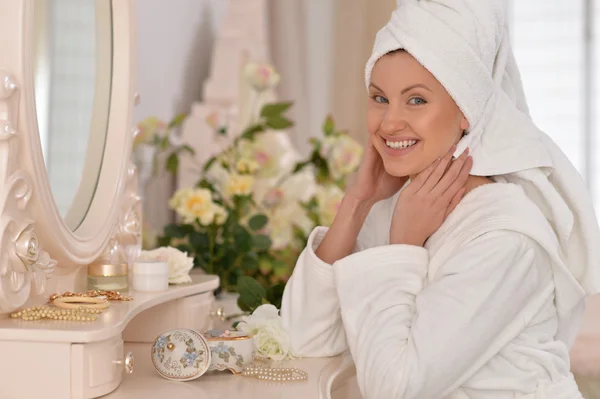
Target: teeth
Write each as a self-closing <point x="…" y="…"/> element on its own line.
<point x="400" y="144"/>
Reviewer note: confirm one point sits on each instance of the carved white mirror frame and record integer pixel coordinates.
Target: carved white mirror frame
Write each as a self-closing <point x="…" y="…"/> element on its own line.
<point x="35" y="241"/>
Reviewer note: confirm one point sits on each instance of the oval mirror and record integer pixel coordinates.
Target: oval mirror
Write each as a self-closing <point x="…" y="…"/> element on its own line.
<point x="73" y="46"/>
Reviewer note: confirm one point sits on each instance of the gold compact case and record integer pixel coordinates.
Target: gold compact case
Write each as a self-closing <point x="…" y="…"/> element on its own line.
<point x="108" y="277"/>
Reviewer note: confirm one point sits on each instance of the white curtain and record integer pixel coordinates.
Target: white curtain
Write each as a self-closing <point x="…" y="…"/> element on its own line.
<point x="320" y="48"/>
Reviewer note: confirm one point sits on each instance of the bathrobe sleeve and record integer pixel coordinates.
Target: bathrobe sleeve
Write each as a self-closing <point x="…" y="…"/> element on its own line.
<point x="413" y="341"/>
<point x="310" y="307"/>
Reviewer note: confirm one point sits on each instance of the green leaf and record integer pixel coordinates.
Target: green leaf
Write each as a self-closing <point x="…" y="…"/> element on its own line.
<point x="276" y="109"/>
<point x="261" y="242"/>
<point x="251" y="293"/>
<point x="275" y="294"/>
<point x="265" y="265"/>
<point x="174" y="231"/>
<point x="244" y="307"/>
<point x="258" y="221"/>
<point x="209" y="163"/>
<point x="251" y="131"/>
<point x="163" y="241"/>
<point x="199" y="241"/>
<point x="235" y="324"/>
<point x="184" y="248"/>
<point x="242" y="238"/>
<point x="299" y="166"/>
<point x="172" y="163"/>
<point x="250" y="262"/>
<point x="164" y="143"/>
<point x="278" y="123"/>
<point x="187" y="148"/>
<point x="329" y="126"/>
<point x="178" y="120"/>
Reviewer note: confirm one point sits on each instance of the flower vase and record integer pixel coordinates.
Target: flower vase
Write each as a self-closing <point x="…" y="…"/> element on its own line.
<point x="225" y="310"/>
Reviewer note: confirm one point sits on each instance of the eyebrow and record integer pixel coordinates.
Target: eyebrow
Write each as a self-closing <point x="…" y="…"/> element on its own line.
<point x="409" y="88"/>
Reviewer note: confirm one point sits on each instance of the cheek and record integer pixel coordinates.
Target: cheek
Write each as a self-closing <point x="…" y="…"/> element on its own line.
<point x="439" y="130"/>
<point x="374" y="118"/>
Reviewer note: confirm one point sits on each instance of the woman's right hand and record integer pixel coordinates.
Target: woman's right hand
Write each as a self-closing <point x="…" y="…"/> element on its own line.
<point x="372" y="183"/>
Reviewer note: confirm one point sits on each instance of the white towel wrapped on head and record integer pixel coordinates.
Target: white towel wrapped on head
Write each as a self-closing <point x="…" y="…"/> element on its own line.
<point x="465" y="45"/>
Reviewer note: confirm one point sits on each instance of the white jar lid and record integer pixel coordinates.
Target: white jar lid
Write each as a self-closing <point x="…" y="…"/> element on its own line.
<point x="150" y="267"/>
<point x="181" y="354"/>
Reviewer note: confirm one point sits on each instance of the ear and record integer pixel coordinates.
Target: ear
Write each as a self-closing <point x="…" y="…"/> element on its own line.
<point x="464" y="123"/>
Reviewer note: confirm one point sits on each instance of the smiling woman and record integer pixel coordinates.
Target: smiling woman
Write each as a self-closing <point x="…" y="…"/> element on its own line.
<point x="411" y="118"/>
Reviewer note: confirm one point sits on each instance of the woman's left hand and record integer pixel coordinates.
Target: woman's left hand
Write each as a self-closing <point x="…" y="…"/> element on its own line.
<point x="425" y="203"/>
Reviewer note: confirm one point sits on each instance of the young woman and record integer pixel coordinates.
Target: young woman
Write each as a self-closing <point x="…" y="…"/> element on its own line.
<point x="450" y="277"/>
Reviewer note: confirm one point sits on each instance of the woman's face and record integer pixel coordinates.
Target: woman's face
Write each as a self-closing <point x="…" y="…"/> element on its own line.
<point x="411" y="118"/>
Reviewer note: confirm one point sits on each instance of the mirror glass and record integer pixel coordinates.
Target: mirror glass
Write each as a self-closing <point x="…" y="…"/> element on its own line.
<point x="72" y="60"/>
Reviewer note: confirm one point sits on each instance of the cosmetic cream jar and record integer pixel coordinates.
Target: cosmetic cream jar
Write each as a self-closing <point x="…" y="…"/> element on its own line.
<point x="108" y="277"/>
<point x="150" y="275"/>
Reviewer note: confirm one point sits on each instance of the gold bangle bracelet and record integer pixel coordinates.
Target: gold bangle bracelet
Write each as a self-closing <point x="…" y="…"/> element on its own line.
<point x="76" y="302"/>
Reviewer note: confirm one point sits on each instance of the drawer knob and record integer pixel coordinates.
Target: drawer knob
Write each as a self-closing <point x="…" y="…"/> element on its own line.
<point x="127" y="362"/>
<point x="219" y="314"/>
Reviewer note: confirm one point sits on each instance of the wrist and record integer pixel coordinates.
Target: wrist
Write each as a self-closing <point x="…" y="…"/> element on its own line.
<point x="354" y="206"/>
<point x="399" y="239"/>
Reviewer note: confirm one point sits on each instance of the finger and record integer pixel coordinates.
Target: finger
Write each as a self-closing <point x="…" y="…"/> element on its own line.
<point x="422" y="177"/>
<point x="451" y="175"/>
<point x="438" y="172"/>
<point x="455" y="200"/>
<point x="459" y="182"/>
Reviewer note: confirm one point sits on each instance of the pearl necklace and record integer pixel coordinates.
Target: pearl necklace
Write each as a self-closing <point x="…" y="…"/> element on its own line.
<point x="54" y="313"/>
<point x="274" y="374"/>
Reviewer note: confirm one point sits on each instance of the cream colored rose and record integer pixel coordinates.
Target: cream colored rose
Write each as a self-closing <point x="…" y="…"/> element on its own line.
<point x="271" y="339"/>
<point x="239" y="185"/>
<point x="343" y="155"/>
<point x="177" y="199"/>
<point x="282" y="220"/>
<point x="179" y="263"/>
<point x="246" y="166"/>
<point x="261" y="76"/>
<point x="271" y="150"/>
<point x="329" y="199"/>
<point x="220" y="214"/>
<point x="192" y="204"/>
<point x="148" y="128"/>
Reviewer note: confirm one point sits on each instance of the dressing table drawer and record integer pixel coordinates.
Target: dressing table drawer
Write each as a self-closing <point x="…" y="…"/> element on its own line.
<point x="96" y="368"/>
<point x="191" y="312"/>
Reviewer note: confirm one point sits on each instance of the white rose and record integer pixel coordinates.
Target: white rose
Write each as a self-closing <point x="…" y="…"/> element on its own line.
<point x="179" y="263"/>
<point x="261" y="76"/>
<point x="220" y="214"/>
<point x="329" y="199"/>
<point x="270" y="338"/>
<point x="273" y="151"/>
<point x="239" y="185"/>
<point x="272" y="341"/>
<point x="343" y="155"/>
<point x="192" y="204"/>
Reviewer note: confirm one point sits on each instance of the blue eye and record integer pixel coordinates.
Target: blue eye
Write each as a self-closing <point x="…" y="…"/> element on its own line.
<point x="380" y="99"/>
<point x="417" y="101"/>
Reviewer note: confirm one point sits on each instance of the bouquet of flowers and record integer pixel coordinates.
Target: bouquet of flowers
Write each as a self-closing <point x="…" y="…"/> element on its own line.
<point x="249" y="216"/>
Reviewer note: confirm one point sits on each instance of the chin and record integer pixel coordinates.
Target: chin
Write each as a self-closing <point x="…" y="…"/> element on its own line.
<point x="398" y="169"/>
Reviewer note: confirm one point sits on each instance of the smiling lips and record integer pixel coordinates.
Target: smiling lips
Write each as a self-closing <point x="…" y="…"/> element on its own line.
<point x="400" y="147"/>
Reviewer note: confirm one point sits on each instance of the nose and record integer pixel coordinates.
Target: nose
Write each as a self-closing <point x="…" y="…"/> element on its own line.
<point x="393" y="122"/>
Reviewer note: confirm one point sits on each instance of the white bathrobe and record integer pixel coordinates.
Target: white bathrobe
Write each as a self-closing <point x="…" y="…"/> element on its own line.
<point x="470" y="315"/>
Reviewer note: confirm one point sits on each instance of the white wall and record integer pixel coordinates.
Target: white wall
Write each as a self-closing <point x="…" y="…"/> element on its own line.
<point x="175" y="39"/>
